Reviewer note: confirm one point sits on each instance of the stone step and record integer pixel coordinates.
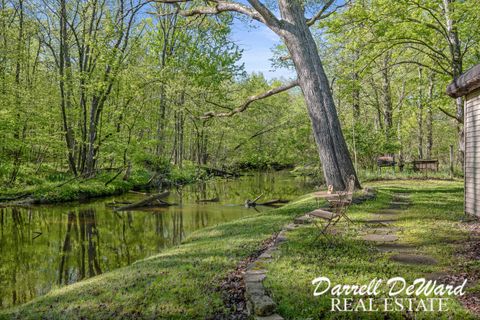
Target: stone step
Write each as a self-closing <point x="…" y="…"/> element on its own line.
<point x="254" y="276"/>
<point x="416" y="259"/>
<point x="254" y="289"/>
<point x="382" y="230"/>
<point x="380" y="238"/>
<point x="262" y="305"/>
<point x="379" y="216"/>
<point x="303" y="220"/>
<point x="292" y="226"/>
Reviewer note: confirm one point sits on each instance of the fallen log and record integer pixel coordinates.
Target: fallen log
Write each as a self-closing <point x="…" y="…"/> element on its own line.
<point x="136" y="192"/>
<point x="152" y="200"/>
<point x="216" y="199"/>
<point x="251" y="204"/>
<point x="19" y="203"/>
<point x="273" y="202"/>
<point x="220" y="172"/>
<point x="116" y="203"/>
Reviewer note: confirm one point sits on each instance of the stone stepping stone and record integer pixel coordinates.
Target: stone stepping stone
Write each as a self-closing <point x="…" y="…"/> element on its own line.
<point x="303" y="220"/>
<point x="262" y="305"/>
<point x="395" y="247"/>
<point x="416" y="259"/>
<point x="266" y="255"/>
<point x="384" y="230"/>
<point x="387" y="216"/>
<point x="380" y="218"/>
<point x="254" y="276"/>
<point x="291" y="226"/>
<point x="436" y="276"/>
<point x="380" y="238"/>
<point x="280" y="238"/>
<point x="254" y="289"/>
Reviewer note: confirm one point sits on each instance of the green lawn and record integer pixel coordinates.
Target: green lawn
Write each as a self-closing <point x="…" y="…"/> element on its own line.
<point x="181" y="282"/>
<point x="431" y="224"/>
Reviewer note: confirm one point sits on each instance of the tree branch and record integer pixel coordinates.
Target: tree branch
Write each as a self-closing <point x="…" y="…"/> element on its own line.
<point x="450" y="115"/>
<point x="269" y="18"/>
<point x="322" y="13"/>
<point x="219" y="7"/>
<point x="252" y="99"/>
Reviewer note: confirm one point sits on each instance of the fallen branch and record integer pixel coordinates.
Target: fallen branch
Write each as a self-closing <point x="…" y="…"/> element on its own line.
<point x="115" y="203"/>
<point x="251" y="204"/>
<point x="216" y="199"/>
<point x="220" y="172"/>
<point x="273" y="202"/>
<point x="146" y="202"/>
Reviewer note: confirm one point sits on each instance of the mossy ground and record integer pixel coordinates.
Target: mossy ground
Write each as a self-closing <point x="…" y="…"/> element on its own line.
<point x="182" y="282"/>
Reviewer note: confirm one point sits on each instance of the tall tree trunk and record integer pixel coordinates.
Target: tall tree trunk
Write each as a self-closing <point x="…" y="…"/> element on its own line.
<point x="161" y="121"/>
<point x="17" y="154"/>
<point x="65" y="93"/>
<point x="420" y="104"/>
<point x="356" y="87"/>
<point x="334" y="155"/>
<point x="430" y="117"/>
<point x="457" y="69"/>
<point x="387" y="96"/>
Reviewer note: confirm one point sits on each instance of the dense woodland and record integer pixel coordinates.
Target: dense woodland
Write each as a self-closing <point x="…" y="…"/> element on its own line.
<point x="89" y="87"/>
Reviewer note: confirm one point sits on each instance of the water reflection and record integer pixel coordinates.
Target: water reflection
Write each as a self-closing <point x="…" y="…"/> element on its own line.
<point x="47" y="246"/>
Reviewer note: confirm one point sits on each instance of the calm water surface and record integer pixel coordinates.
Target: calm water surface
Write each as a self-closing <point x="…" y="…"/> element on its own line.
<point x="54" y="245"/>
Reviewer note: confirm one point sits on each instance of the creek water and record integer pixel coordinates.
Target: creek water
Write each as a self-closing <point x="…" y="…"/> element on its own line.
<point x="48" y="246"/>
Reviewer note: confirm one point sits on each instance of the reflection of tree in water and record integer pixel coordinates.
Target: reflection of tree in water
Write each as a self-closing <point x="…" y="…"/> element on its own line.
<point x="66" y="249"/>
<point x="3" y="283"/>
<point x="178" y="232"/>
<point x="87" y="240"/>
<point x="14" y="285"/>
<point x="43" y="246"/>
<point x="160" y="229"/>
<point x="17" y="237"/>
<point x="200" y="218"/>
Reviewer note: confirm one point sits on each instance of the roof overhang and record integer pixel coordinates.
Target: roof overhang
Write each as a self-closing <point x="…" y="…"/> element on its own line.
<point x="466" y="83"/>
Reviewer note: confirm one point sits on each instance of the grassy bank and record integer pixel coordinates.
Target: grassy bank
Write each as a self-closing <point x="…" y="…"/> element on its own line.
<point x="57" y="187"/>
<point x="181" y="282"/>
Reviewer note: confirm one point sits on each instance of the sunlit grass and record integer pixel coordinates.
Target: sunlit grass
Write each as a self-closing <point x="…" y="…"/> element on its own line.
<point x="181" y="282"/>
<point x="430" y="224"/>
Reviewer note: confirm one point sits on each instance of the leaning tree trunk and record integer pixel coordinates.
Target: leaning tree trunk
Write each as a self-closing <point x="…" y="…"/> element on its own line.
<point x="334" y="155"/>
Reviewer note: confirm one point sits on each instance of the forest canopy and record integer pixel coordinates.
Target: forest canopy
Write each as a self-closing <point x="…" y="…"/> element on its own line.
<point x="99" y="86"/>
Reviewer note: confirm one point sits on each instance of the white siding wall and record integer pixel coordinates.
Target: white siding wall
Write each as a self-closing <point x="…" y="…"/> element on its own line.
<point x="472" y="153"/>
